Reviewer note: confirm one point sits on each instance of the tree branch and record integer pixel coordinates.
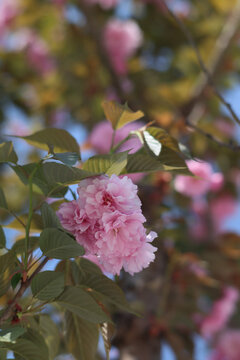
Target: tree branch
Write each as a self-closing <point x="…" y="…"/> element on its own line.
<point x="9" y="311"/>
<point x="223" y="43"/>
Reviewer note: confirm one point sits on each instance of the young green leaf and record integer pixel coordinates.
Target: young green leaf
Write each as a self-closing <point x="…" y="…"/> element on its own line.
<point x="58" y="139"/>
<point x="7" y="264"/>
<point x="2" y="238"/>
<point x="79" y="302"/>
<point x="107" y="164"/>
<point x="47" y="285"/>
<point x="120" y="115"/>
<point x="82" y="337"/>
<point x="161" y="136"/>
<point x="15" y="280"/>
<point x="56" y="244"/>
<point x="7" y="153"/>
<point x="49" y="217"/>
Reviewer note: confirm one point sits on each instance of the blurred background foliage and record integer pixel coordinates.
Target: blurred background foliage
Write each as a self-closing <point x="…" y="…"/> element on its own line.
<point x="55" y="71"/>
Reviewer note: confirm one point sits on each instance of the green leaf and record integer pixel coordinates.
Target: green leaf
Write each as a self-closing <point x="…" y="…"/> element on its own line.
<point x="19" y="246"/>
<point x="47" y="285"/>
<point x="58" y="245"/>
<point x="36" y="223"/>
<point x="2" y="238"/>
<point x="50" y="332"/>
<point x="68" y="158"/>
<point x="161" y="136"/>
<point x="78" y="301"/>
<point x="7" y="265"/>
<point x="120" y="115"/>
<point x="7" y="153"/>
<point x="63" y="174"/>
<point x="15" y="280"/>
<point x="3" y="201"/>
<point x="107" y="164"/>
<point x="58" y="139"/>
<point x="40" y="183"/>
<point x="3" y="354"/>
<point x="11" y="334"/>
<point x="49" y="217"/>
<point x="37" y="339"/>
<point x="25" y="349"/>
<point x="81" y="337"/>
<point x="168" y="160"/>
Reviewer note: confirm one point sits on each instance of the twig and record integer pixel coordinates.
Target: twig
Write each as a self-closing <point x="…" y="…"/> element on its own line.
<point x="9" y="311"/>
<point x="208" y="74"/>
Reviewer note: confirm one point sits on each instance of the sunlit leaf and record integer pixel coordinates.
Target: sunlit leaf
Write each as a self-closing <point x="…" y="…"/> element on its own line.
<point x="106" y="164"/>
<point x="57" y="139"/>
<point x="120" y="115"/>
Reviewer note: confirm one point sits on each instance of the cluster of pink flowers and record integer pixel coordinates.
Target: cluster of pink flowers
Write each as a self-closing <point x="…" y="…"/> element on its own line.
<point x="122" y="38"/>
<point x="9" y="9"/>
<point x="204" y="181"/>
<point x="36" y="50"/>
<point x="228" y="346"/>
<point x="220" y="313"/>
<point x="107" y="221"/>
<point x="105" y="4"/>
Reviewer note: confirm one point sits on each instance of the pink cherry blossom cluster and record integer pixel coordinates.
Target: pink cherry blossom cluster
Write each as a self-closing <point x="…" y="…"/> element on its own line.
<point x="107" y="221"/>
<point x="121" y="38"/>
<point x="220" y="313"/>
<point x="228" y="346"/>
<point x="204" y="181"/>
<point x="9" y="9"/>
<point x="105" y="4"/>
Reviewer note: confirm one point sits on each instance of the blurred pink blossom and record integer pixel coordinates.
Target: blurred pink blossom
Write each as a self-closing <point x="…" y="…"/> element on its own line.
<point x="9" y="9"/>
<point x="122" y="38"/>
<point x="105" y="4"/>
<point x="204" y="181"/>
<point x="227" y="347"/>
<point x="222" y="207"/>
<point x="36" y="50"/>
<point x="107" y="221"/>
<point x="221" y="312"/>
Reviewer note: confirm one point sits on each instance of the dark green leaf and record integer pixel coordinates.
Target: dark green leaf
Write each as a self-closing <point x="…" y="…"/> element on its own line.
<point x="58" y="139"/>
<point x="80" y="303"/>
<point x="69" y="158"/>
<point x="47" y="285"/>
<point x="82" y="337"/>
<point x="161" y="136"/>
<point x="63" y="174"/>
<point x="25" y="349"/>
<point x="58" y="245"/>
<point x="3" y="201"/>
<point x="7" y="153"/>
<point x="2" y="238"/>
<point x="15" y="280"/>
<point x="107" y="164"/>
<point x="49" y="217"/>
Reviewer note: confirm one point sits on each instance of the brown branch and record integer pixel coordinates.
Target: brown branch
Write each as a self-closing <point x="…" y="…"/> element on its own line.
<point x="9" y="311"/>
<point x="225" y="38"/>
